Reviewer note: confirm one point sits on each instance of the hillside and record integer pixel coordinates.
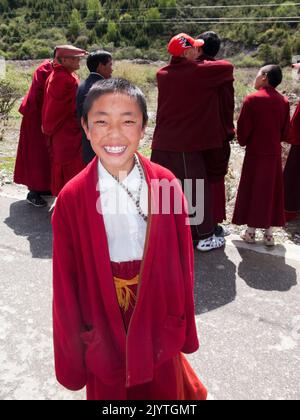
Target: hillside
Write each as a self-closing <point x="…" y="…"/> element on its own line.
<point x="141" y="29"/>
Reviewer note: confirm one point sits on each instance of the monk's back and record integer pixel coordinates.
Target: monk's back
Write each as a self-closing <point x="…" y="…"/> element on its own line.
<point x="268" y="111"/>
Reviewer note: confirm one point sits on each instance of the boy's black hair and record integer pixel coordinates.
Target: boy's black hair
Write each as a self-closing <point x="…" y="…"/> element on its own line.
<point x="274" y="74"/>
<point x="212" y="43"/>
<point x="115" y="85"/>
<point x="97" y="57"/>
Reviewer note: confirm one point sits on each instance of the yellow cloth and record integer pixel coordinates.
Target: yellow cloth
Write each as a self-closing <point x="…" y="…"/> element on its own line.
<point x="125" y="296"/>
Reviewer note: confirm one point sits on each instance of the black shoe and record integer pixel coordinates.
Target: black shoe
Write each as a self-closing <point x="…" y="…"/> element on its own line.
<point x="221" y="232"/>
<point x="35" y="200"/>
<point x="45" y="193"/>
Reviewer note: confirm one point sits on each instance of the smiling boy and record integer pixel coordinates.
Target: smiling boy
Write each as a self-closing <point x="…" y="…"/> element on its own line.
<point x="123" y="306"/>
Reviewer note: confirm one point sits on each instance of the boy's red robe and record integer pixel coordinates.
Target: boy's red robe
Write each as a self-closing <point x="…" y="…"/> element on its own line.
<point x="263" y="124"/>
<point x="33" y="160"/>
<point x="292" y="169"/>
<point x="91" y="346"/>
<point x="60" y="123"/>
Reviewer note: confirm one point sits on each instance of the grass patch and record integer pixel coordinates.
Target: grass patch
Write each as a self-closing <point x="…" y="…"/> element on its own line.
<point x="7" y="164"/>
<point x="145" y="151"/>
<point x="20" y="78"/>
<point x="142" y="75"/>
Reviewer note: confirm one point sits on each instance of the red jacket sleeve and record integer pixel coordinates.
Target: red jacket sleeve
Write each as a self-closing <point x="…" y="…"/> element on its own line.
<point x="245" y="124"/>
<point x="216" y="73"/>
<point x="67" y="320"/>
<point x="187" y="262"/>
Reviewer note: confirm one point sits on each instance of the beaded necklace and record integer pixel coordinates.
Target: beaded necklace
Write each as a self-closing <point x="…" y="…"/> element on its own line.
<point x="137" y="201"/>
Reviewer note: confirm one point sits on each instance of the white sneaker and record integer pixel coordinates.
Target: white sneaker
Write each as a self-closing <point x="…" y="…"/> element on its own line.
<point x="214" y="242"/>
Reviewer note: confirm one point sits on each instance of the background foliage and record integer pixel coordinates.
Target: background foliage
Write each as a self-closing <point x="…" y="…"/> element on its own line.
<point x="141" y="29"/>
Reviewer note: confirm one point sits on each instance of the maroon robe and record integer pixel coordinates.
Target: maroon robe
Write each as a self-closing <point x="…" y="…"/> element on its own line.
<point x="188" y="117"/>
<point x="60" y="123"/>
<point x="263" y="124"/>
<point x="33" y="161"/>
<point x="292" y="169"/>
<point x="217" y="160"/>
<point x="189" y="123"/>
<point x="90" y="342"/>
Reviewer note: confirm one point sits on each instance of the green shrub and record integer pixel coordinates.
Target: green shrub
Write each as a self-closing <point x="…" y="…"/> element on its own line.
<point x="245" y="61"/>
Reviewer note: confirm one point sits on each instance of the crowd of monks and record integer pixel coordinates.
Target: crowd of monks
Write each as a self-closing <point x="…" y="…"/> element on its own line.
<point x="192" y="138"/>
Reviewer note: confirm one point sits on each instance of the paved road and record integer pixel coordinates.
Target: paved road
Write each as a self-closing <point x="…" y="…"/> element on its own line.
<point x="247" y="308"/>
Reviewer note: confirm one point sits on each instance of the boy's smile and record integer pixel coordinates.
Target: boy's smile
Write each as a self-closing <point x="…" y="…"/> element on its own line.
<point x="115" y="150"/>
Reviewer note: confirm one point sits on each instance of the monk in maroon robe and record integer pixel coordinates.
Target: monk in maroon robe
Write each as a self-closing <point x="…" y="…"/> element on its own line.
<point x="33" y="160"/>
<point x="263" y="124"/>
<point x="59" y="118"/>
<point x="217" y="160"/>
<point x="292" y="167"/>
<point x="123" y="346"/>
<point x="189" y="123"/>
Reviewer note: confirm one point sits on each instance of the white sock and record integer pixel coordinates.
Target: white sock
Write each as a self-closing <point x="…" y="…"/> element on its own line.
<point x="269" y="232"/>
<point x="251" y="230"/>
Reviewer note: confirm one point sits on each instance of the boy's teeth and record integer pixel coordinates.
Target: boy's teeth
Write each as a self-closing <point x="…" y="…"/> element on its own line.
<point x="115" y="149"/>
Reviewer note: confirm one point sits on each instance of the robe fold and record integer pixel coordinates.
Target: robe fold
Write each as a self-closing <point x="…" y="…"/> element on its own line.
<point x="292" y="169"/>
<point x="33" y="167"/>
<point x="263" y="124"/>
<point x="61" y="125"/>
<point x="90" y="343"/>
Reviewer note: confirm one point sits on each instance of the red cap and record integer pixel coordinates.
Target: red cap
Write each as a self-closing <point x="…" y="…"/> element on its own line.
<point x="69" y="51"/>
<point x="181" y="42"/>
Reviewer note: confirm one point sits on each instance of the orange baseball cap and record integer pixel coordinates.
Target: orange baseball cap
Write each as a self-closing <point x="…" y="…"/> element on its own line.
<point x="181" y="42"/>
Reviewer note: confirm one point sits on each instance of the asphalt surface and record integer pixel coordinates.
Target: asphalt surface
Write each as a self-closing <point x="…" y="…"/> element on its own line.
<point x="247" y="311"/>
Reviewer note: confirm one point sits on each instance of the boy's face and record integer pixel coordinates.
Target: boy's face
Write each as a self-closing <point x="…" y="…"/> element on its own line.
<point x="191" y="54"/>
<point x="115" y="128"/>
<point x="261" y="80"/>
<point x="106" y="70"/>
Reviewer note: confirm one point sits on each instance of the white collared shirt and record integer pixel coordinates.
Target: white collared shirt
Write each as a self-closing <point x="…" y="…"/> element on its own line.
<point x="125" y="228"/>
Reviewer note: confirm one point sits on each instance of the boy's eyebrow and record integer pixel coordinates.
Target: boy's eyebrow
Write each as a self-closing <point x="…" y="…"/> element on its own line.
<point x="106" y="113"/>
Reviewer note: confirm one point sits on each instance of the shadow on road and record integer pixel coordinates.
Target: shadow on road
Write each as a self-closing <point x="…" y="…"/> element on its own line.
<point x="34" y="223"/>
<point x="266" y="272"/>
<point x="215" y="281"/>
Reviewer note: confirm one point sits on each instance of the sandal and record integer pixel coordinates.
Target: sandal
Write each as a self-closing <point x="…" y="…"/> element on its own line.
<point x="248" y="237"/>
<point x="211" y="243"/>
<point x="269" y="240"/>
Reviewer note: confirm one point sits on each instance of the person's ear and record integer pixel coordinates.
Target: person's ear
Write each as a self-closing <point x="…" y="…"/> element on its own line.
<point x="99" y="68"/>
<point x="200" y="51"/>
<point x="86" y="128"/>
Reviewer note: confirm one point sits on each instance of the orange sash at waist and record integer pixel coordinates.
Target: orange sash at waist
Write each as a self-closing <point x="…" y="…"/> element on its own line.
<point x="125" y="295"/>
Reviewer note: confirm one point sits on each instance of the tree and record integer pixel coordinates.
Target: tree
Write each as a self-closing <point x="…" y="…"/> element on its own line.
<point x="285" y="55"/>
<point x="266" y="54"/>
<point x="152" y="21"/>
<point x="94" y="12"/>
<point x="75" y="25"/>
<point x="112" y="32"/>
